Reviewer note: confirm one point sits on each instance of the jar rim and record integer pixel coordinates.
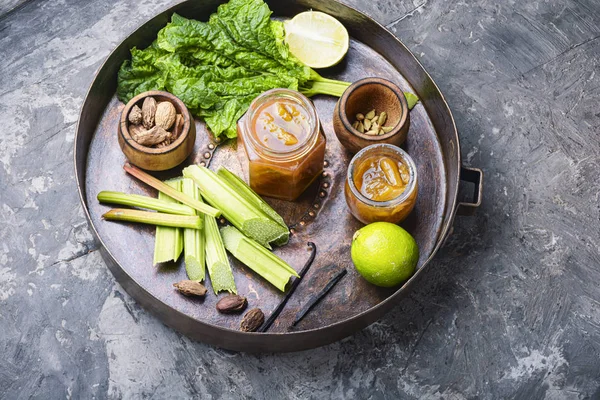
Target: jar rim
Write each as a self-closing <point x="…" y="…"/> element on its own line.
<point x="300" y="149"/>
<point x="410" y="187"/>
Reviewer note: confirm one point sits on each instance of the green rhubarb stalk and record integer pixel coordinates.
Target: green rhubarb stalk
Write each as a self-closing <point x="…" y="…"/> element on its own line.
<point x="168" y="241"/>
<point x="250" y="195"/>
<point x="150" y="203"/>
<point x="153" y="218"/>
<point x="320" y="85"/>
<point x="256" y="257"/>
<point x="193" y="239"/>
<point x="166" y="189"/>
<point x="217" y="262"/>
<point x="244" y="215"/>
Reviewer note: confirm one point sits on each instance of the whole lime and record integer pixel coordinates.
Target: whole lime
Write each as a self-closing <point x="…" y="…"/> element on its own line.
<point x="384" y="254"/>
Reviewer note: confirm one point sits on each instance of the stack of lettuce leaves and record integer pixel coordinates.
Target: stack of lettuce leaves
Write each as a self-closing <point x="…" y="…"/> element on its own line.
<point x="218" y="67"/>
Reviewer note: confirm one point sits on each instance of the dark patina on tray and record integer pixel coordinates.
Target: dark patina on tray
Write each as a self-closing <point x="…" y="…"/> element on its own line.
<point x="320" y="215"/>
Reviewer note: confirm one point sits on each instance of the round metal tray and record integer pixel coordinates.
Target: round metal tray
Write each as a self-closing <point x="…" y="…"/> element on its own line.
<point x="319" y="216"/>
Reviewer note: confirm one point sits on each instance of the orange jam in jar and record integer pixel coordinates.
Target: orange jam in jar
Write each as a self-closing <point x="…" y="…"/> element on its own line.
<point x="284" y="143"/>
<point x="381" y="184"/>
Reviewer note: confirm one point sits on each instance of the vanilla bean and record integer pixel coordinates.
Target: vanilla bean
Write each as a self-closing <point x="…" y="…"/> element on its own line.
<point x="293" y="287"/>
<point x="319" y="296"/>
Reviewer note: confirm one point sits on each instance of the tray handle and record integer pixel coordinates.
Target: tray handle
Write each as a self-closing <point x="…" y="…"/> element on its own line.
<point x="475" y="176"/>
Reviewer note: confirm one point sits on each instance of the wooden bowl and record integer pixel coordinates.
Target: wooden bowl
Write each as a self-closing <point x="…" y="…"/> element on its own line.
<point x="363" y="96"/>
<point x="163" y="158"/>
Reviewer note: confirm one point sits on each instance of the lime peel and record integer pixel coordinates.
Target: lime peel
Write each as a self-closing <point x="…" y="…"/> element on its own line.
<point x="384" y="254"/>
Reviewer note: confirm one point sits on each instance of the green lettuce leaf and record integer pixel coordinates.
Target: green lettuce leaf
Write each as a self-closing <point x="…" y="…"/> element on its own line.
<point x="141" y="73"/>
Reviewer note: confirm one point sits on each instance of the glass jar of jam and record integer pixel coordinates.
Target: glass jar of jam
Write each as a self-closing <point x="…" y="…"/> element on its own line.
<point x="381" y="184"/>
<point x="283" y="140"/>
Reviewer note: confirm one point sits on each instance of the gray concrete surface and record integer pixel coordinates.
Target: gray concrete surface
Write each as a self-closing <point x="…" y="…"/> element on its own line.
<point x="509" y="309"/>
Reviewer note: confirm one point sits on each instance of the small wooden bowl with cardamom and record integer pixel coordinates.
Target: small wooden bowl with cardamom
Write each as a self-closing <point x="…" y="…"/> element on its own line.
<point x="156" y="131"/>
<point x="371" y="110"/>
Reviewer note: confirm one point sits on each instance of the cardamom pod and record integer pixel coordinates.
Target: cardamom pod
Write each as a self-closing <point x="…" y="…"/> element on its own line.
<point x="382" y="118"/>
<point x="387" y="129"/>
<point x="367" y="124"/>
<point x="370" y="114"/>
<point x="361" y="127"/>
<point x="190" y="288"/>
<point x="360" y="116"/>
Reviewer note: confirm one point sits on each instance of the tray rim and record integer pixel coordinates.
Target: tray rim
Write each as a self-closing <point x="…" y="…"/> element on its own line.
<point x="131" y="285"/>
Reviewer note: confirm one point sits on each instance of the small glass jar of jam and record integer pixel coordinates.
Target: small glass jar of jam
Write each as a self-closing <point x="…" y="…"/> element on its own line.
<point x="283" y="140"/>
<point x="381" y="184"/>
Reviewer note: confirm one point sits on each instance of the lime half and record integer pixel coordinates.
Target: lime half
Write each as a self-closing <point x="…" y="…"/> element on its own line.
<point x="317" y="39"/>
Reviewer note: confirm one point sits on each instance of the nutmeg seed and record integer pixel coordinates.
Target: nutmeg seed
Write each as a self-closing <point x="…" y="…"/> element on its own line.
<point x="165" y="115"/>
<point x="252" y="320"/>
<point x="231" y="304"/>
<point x="152" y="136"/>
<point x="178" y="127"/>
<point x="135" y="115"/>
<point x="148" y="112"/>
<point x="135" y="131"/>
